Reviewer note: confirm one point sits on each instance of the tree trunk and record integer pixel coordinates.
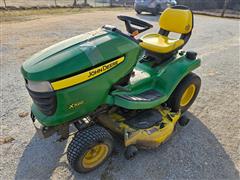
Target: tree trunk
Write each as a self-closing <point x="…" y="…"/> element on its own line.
<point x="55" y="1"/>
<point x="111" y="3"/>
<point x="224" y="7"/>
<point x="74" y="3"/>
<point x="4" y="1"/>
<point x="85" y="2"/>
<point x="124" y="3"/>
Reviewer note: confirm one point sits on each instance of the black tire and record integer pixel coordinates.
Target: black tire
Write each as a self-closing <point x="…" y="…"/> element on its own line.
<point x="155" y="13"/>
<point x="183" y="121"/>
<point x="84" y="141"/>
<point x="138" y="12"/>
<point x="175" y="99"/>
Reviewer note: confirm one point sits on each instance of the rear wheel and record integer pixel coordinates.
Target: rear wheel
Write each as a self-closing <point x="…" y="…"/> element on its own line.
<point x="89" y="149"/>
<point x="185" y="93"/>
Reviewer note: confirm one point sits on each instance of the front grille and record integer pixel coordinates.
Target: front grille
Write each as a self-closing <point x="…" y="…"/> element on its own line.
<point x="46" y="102"/>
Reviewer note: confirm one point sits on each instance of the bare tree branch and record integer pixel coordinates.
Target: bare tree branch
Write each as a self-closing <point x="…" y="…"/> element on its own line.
<point x="226" y="2"/>
<point x="74" y="3"/>
<point x="4" y="1"/>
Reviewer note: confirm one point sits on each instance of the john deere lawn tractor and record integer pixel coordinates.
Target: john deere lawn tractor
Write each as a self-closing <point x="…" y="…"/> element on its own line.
<point x="107" y="83"/>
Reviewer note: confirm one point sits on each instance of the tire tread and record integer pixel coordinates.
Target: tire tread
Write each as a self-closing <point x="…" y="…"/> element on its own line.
<point x="84" y="139"/>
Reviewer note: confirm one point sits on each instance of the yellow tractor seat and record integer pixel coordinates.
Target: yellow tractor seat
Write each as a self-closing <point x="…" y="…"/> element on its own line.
<point x="176" y="19"/>
<point x="160" y="44"/>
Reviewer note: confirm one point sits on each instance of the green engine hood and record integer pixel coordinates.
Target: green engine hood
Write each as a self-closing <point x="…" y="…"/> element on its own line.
<point x="75" y="54"/>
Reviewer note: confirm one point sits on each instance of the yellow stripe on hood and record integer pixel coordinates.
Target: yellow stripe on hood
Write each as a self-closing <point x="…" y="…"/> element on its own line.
<point x="77" y="79"/>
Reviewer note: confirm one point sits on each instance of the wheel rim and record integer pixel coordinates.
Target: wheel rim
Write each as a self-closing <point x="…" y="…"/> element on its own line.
<point x="188" y="95"/>
<point x="95" y="156"/>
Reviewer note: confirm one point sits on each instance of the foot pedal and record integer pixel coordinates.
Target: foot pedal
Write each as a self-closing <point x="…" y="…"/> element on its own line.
<point x="146" y="96"/>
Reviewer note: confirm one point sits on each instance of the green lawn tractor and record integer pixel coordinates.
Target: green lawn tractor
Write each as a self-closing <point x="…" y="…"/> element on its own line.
<point x="107" y="84"/>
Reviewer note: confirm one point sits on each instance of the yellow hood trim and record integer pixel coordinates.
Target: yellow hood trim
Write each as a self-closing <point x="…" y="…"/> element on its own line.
<point x="79" y="78"/>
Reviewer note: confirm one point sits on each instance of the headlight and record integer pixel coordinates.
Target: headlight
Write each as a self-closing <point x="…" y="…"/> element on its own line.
<point x="39" y="86"/>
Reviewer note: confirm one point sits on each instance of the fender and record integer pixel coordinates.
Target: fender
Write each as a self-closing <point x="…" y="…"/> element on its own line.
<point x="162" y="80"/>
<point x="171" y="74"/>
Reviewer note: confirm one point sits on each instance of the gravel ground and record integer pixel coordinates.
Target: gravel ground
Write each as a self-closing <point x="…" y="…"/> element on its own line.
<point x="208" y="148"/>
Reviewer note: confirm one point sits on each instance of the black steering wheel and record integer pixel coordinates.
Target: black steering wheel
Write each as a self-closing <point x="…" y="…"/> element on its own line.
<point x="135" y="26"/>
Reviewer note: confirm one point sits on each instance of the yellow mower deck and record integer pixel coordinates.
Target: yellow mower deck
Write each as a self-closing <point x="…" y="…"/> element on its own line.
<point x="147" y="138"/>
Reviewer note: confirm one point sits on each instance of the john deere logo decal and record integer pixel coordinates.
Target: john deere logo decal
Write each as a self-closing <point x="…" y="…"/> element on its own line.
<point x="102" y="69"/>
<point x="79" y="78"/>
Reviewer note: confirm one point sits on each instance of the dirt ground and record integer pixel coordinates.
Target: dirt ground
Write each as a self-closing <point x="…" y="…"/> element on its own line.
<point x="208" y="148"/>
<point x="31" y="3"/>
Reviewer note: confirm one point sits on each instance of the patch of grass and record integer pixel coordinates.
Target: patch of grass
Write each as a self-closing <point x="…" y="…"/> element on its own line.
<point x="24" y="15"/>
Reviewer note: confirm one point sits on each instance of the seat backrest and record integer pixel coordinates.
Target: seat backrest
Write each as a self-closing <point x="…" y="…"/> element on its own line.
<point x="178" y="19"/>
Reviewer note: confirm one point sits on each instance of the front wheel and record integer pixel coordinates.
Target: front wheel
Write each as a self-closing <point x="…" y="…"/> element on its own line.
<point x="185" y="93"/>
<point x="89" y="149"/>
